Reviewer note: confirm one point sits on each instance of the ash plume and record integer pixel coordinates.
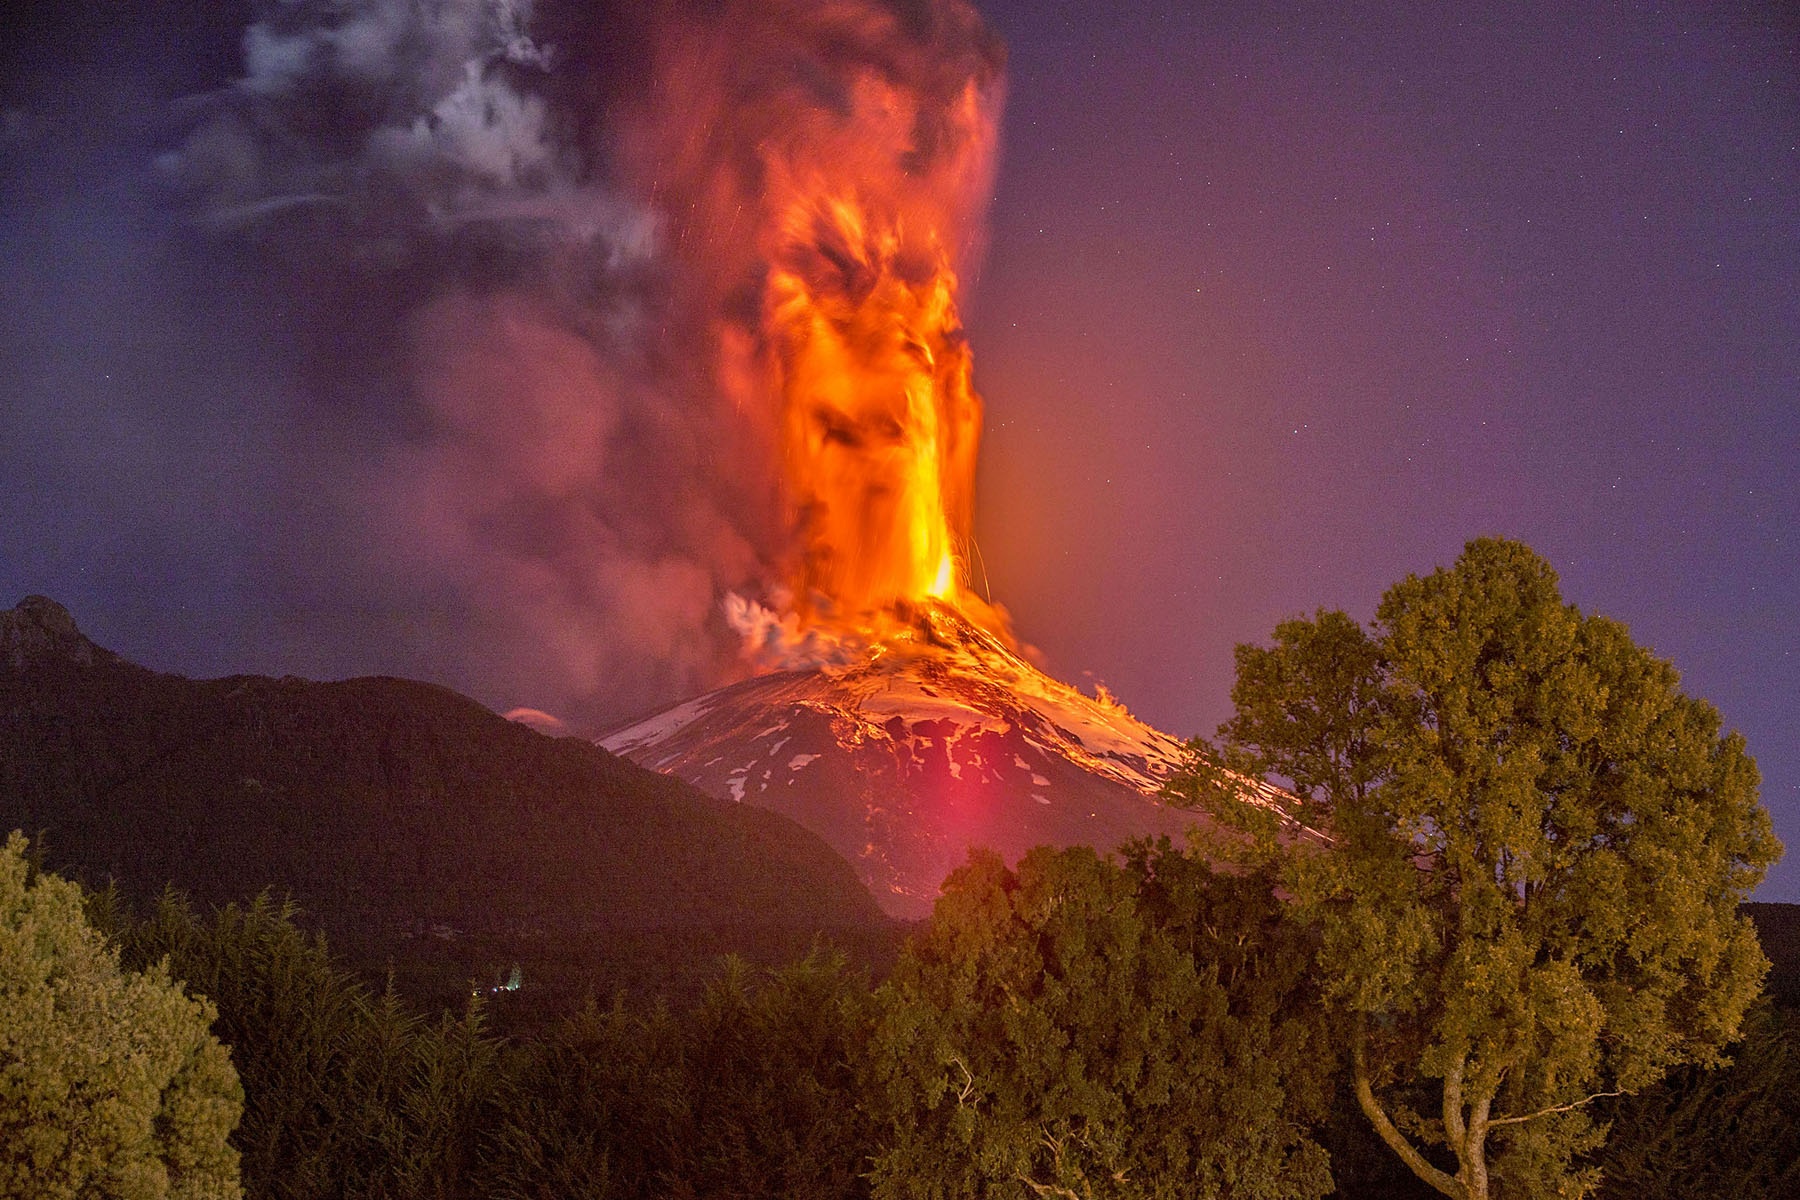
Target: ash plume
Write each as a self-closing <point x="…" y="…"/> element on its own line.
<point x="443" y="350"/>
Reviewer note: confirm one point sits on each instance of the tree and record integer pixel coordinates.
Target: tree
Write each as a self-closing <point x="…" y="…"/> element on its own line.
<point x="111" y="1083"/>
<point x="752" y="1092"/>
<point x="1538" y="847"/>
<point x="346" y="1093"/>
<point x="771" y="1093"/>
<point x="1079" y="1028"/>
<point x="1731" y="1131"/>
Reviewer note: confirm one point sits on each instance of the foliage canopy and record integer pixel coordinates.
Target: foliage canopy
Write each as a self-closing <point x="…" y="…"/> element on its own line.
<point x="111" y="1083"/>
<point x="1539" y="846"/>
<point x="751" y="1093"/>
<point x="1730" y="1131"/>
<point x="1078" y="1028"/>
<point x="346" y="1092"/>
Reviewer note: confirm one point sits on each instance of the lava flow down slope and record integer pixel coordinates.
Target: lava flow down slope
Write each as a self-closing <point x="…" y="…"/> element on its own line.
<point x="904" y="752"/>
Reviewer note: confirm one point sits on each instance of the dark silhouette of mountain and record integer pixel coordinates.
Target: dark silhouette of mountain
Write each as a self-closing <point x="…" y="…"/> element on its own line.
<point x="389" y="809"/>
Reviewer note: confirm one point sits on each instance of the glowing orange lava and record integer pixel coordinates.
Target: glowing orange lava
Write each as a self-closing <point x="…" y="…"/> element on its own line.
<point x="880" y="422"/>
<point x="824" y="165"/>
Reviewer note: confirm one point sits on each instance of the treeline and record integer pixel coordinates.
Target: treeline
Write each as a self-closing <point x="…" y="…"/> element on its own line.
<point x="1514" y="965"/>
<point x="1074" y="1024"/>
<point x="1081" y="1026"/>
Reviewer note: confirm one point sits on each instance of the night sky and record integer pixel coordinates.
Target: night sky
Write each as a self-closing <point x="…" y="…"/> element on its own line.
<point x="1278" y="304"/>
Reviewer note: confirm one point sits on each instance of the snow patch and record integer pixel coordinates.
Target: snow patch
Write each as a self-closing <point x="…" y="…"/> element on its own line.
<point x="655" y="729"/>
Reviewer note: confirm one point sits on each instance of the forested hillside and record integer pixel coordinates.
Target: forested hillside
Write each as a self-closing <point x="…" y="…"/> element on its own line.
<point x="411" y="822"/>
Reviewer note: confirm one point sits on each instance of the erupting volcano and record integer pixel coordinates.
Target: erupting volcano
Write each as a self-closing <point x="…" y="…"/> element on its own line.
<point x="904" y="750"/>
<point x="824" y="207"/>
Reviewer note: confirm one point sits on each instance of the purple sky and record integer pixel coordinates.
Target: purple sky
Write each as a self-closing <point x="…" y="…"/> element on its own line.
<point x="1278" y="306"/>
<point x="1283" y="304"/>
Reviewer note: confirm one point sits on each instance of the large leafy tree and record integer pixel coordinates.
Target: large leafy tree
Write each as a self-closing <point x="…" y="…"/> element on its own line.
<point x="111" y="1083"/>
<point x="1079" y="1028"/>
<point x="1538" y="847"/>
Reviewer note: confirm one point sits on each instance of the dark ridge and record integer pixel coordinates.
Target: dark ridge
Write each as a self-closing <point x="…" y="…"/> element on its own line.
<point x="410" y="822"/>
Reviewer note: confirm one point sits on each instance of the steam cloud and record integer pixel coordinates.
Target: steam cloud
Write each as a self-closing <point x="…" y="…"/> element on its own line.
<point x="445" y="312"/>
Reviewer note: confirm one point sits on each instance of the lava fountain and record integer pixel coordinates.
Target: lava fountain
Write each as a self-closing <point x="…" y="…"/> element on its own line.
<point x="823" y="167"/>
<point x="880" y="420"/>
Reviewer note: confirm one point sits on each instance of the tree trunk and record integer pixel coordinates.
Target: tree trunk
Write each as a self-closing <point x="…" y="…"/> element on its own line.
<point x="1448" y="1184"/>
<point x="1467" y="1132"/>
<point x="1475" y="1169"/>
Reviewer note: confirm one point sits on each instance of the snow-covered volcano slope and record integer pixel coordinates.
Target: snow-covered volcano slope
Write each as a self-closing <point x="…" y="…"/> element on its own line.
<point x="904" y="754"/>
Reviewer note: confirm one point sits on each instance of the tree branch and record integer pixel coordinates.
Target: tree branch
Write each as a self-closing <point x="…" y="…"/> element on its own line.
<point x="968" y="1087"/>
<point x="1384" y="1126"/>
<point x="1544" y="1112"/>
<point x="1475" y="1168"/>
<point x="1055" y="1146"/>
